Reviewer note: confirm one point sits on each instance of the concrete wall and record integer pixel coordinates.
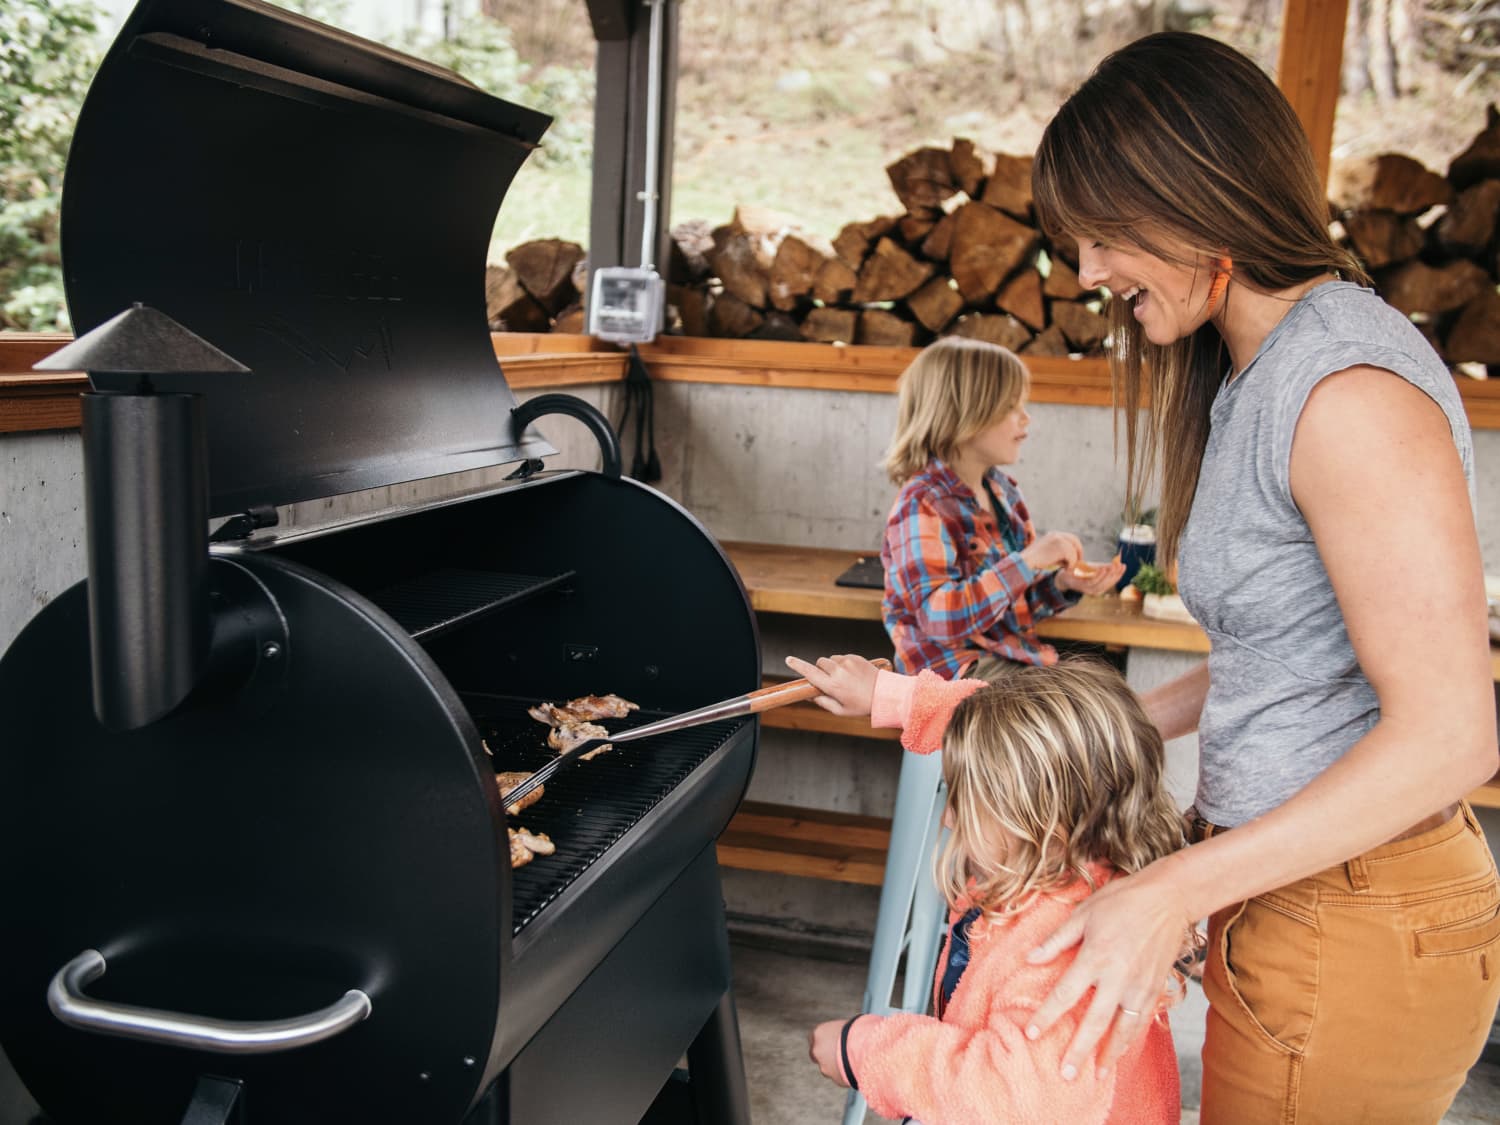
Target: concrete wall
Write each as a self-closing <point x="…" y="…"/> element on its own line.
<point x="785" y="466"/>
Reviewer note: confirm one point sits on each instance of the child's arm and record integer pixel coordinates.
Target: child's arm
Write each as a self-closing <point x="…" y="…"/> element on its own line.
<point x="935" y="1070"/>
<point x="921" y="705"/>
<point x="923" y="573"/>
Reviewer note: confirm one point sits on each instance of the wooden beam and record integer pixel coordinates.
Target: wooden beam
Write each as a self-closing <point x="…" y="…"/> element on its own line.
<point x="1310" y="69"/>
<point x="611" y="19"/>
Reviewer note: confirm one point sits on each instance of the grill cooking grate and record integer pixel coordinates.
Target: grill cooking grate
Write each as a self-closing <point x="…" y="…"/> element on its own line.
<point x="587" y="807"/>
<point x="436" y="602"/>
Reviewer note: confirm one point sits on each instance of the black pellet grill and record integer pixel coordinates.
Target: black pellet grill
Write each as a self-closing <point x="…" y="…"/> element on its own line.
<point x="249" y="783"/>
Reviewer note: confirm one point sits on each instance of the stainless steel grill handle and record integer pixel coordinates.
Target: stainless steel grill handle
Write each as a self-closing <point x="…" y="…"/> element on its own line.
<point x="200" y="1033"/>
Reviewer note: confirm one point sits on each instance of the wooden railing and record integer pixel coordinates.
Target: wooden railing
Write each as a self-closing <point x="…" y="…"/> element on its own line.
<point x="29" y="401"/>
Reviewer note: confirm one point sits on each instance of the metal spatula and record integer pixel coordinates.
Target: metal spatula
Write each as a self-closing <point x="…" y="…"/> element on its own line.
<point x="752" y="703"/>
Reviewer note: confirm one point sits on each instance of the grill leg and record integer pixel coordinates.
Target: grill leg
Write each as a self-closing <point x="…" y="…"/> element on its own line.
<point x="216" y="1101"/>
<point x="717" y="1069"/>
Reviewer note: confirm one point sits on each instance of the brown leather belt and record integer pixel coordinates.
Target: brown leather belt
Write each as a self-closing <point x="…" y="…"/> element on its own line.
<point x="1200" y="829"/>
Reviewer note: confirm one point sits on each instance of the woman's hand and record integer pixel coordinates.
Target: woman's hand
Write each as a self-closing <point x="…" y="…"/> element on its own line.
<point x="823" y="1049"/>
<point x="1129" y="934"/>
<point x="847" y="683"/>
<point x="1056" y="548"/>
<point x="1105" y="576"/>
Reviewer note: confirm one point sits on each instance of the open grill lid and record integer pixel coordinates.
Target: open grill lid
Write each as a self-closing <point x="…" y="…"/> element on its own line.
<point x="319" y="207"/>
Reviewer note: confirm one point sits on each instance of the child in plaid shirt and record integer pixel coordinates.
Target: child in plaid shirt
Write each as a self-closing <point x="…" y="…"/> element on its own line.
<point x="966" y="575"/>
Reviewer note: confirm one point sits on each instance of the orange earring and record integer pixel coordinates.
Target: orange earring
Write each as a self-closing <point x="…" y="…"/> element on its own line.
<point x="1220" y="284"/>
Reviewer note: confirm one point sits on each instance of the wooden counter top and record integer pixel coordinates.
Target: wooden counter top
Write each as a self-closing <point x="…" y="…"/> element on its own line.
<point x="800" y="581"/>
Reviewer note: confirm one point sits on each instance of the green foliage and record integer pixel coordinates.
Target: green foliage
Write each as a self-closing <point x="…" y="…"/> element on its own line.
<point x="1151" y="579"/>
<point x="333" y="12"/>
<point x="48" y="53"/>
<point x="481" y="50"/>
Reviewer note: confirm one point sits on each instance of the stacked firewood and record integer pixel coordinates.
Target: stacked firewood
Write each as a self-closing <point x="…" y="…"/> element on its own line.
<point x="1430" y="242"/>
<point x="539" y="289"/>
<point x="964" y="258"/>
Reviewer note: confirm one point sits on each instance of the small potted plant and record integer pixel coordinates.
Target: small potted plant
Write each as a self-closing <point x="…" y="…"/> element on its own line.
<point x="1137" y="542"/>
<point x="1158" y="594"/>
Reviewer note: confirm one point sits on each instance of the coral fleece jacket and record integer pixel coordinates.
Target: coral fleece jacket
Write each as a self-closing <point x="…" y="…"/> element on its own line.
<point x="975" y="1063"/>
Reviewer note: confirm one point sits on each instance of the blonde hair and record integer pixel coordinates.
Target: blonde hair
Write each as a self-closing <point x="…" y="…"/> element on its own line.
<point x="1205" y="150"/>
<point x="951" y="391"/>
<point x="1050" y="770"/>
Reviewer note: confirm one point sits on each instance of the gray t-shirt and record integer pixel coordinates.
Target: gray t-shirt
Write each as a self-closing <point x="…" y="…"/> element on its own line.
<point x="1287" y="696"/>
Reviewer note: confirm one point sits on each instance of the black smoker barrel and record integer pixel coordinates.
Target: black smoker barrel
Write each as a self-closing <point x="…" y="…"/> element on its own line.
<point x="257" y="862"/>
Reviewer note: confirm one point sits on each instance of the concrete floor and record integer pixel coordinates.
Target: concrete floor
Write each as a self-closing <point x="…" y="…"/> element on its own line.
<point x="782" y="995"/>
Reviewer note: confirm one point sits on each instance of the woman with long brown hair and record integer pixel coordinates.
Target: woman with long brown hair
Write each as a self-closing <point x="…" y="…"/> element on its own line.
<point x="1316" y="478"/>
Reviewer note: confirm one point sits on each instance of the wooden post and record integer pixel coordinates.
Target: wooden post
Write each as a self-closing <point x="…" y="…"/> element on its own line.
<point x="1310" y="68"/>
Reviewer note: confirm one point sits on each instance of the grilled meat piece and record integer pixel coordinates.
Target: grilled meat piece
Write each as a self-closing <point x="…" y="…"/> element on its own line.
<point x="525" y="845"/>
<point x="564" y="738"/>
<point x="588" y="708"/>
<point x="584" y="709"/>
<point x="508" y="780"/>
<point x="537" y="843"/>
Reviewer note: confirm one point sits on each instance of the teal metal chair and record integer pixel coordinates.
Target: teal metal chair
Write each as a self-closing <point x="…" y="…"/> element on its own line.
<point x="912" y="912"/>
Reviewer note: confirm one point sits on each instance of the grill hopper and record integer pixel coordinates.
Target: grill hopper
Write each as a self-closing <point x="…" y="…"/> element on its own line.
<point x="326" y="819"/>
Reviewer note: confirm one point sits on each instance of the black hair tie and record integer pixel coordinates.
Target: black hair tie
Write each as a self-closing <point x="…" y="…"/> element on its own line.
<point x="844" y="1053"/>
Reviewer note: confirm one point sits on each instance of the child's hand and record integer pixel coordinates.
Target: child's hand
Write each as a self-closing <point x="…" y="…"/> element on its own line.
<point x="1102" y="579"/>
<point x="1056" y="548"/>
<point x="847" y="682"/>
<point x="823" y="1049"/>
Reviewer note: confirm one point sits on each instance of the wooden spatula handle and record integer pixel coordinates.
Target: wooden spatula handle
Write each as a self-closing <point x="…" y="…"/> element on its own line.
<point x="793" y="691"/>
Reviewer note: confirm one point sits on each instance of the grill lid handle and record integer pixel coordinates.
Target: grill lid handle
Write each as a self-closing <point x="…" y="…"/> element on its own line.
<point x="199" y="1033"/>
<point x="586" y="412"/>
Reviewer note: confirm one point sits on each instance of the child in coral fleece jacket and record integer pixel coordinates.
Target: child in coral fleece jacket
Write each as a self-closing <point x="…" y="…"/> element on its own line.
<point x="1054" y="787"/>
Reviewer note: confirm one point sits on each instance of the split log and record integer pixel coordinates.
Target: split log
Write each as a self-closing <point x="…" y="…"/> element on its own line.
<point x="1003" y="330"/>
<point x="884" y="329"/>
<point x="1050" y="341"/>
<point x="688" y="251"/>
<point x="923" y="180"/>
<point x="572" y="320"/>
<point x="691" y="304"/>
<point x="1388" y="182"/>
<point x="1481" y="160"/>
<point x="835" y="283"/>
<point x="914" y="229"/>
<point x="731" y="317"/>
<point x="1009" y="186"/>
<point x="736" y="263"/>
<point x="830" y="326"/>
<point x="855" y="239"/>
<point x="1469" y="225"/>
<point x="1084" y="328"/>
<point x="799" y="260"/>
<point x="939" y="243"/>
<point x="936" y="303"/>
<point x="889" y="274"/>
<point x="508" y="307"/>
<point x="1475" y="335"/>
<point x="1382" y="237"/>
<point x="544" y="268"/>
<point x="1021" y="296"/>
<point x="987" y="247"/>
<point x="1417" y="287"/>
<point x="971" y="166"/>
<point x="1062" y="282"/>
<point x="778" y="325"/>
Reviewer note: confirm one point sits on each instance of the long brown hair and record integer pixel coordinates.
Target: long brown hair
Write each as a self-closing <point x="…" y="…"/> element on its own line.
<point x="1177" y="134"/>
<point x="953" y="389"/>
<point x="1049" y="771"/>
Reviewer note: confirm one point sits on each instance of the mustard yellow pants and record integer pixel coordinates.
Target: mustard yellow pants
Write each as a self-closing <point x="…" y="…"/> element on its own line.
<point x="1362" y="994"/>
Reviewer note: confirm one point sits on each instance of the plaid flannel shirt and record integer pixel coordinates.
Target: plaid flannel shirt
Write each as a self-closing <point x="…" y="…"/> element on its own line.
<point x="953" y="590"/>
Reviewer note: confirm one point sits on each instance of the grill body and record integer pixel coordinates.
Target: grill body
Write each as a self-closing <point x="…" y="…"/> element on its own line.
<point x="333" y="823"/>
